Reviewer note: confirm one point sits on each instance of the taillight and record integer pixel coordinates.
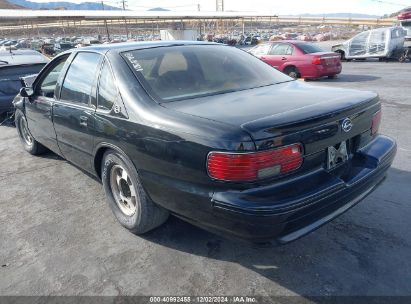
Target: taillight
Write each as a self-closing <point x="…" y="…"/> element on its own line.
<point x="253" y="166"/>
<point x="316" y="60"/>
<point x="376" y="120"/>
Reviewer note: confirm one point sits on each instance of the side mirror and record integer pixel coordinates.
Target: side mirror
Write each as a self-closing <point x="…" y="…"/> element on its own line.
<point x="26" y="92"/>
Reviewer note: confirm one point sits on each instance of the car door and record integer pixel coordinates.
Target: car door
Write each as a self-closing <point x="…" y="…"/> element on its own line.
<point x="40" y="105"/>
<point x="261" y="51"/>
<point x="359" y="45"/>
<point x="73" y="111"/>
<point x="279" y="54"/>
<point x="267" y="56"/>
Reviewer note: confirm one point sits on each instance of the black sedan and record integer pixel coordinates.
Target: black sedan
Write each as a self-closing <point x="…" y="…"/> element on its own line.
<point x="208" y="133"/>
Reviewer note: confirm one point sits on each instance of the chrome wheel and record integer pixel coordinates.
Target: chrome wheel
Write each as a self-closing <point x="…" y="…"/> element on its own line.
<point x="123" y="190"/>
<point x="293" y="74"/>
<point x="24" y="131"/>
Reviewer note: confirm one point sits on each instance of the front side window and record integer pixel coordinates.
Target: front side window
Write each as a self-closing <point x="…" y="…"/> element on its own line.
<point x="359" y="44"/>
<point x="79" y="80"/>
<point x="261" y="49"/>
<point x="48" y="84"/>
<point x="282" y="49"/>
<point x="181" y="72"/>
<point x="107" y="91"/>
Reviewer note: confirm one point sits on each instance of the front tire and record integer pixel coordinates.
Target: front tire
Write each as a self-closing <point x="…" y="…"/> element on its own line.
<point x="126" y="197"/>
<point x="29" y="143"/>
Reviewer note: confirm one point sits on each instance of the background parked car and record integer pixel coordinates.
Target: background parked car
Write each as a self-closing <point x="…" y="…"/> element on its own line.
<point x="14" y="65"/>
<point x="378" y="43"/>
<point x="299" y="59"/>
<point x="62" y="46"/>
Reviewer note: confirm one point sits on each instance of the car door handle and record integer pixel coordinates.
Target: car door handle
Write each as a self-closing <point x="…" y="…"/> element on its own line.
<point x="263" y="57"/>
<point x="284" y="58"/>
<point x="83" y="121"/>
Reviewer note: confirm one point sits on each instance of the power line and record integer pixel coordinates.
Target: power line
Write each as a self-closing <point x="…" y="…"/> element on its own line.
<point x="391" y="3"/>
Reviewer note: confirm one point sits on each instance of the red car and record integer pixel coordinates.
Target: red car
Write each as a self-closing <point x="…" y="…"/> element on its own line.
<point x="405" y="14"/>
<point x="299" y="59"/>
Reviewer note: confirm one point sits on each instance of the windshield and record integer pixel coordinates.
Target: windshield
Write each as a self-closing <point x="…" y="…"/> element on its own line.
<point x="181" y="72"/>
<point x="309" y="48"/>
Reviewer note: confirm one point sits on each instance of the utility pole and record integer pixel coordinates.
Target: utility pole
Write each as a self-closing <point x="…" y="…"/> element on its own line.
<point x="125" y="21"/>
<point x="105" y="24"/>
<point x="219" y="5"/>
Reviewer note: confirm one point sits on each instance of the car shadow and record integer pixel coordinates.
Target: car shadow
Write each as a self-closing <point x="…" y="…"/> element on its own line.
<point x="7" y="120"/>
<point x="345" y="257"/>
<point x="51" y="155"/>
<point x="351" y="78"/>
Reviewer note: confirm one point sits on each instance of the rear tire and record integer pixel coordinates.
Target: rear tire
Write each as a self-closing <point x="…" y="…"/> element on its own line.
<point x="29" y="143"/>
<point x="126" y="197"/>
<point x="292" y="72"/>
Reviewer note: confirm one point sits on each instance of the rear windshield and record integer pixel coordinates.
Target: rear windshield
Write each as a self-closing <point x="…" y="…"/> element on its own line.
<point x="309" y="48"/>
<point x="181" y="72"/>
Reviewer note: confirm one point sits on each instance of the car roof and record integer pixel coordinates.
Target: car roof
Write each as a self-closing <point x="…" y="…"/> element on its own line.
<point x="288" y="41"/>
<point x="128" y="46"/>
<point x="21" y="57"/>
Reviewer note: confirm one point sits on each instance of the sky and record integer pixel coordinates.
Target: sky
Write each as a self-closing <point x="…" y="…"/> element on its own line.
<point x="289" y="7"/>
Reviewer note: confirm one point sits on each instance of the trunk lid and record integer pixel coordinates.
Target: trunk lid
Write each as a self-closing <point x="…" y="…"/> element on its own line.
<point x="328" y="58"/>
<point x="280" y="109"/>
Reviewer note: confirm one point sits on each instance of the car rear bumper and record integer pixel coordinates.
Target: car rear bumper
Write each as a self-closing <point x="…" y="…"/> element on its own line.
<point x="284" y="211"/>
<point x="317" y="71"/>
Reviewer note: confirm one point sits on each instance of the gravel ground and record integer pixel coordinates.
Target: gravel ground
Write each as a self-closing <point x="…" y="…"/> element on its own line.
<point x="58" y="236"/>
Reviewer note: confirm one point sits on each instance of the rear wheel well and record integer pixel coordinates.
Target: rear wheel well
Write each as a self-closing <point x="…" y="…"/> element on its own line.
<point x="98" y="158"/>
<point x="290" y="68"/>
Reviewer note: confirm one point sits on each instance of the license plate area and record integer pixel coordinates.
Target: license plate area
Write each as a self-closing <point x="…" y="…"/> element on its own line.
<point x="337" y="155"/>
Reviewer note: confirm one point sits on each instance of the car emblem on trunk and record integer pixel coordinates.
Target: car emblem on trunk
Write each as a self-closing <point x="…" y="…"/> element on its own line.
<point x="346" y="125"/>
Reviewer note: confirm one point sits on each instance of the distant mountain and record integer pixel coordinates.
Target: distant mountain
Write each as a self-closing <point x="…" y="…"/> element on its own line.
<point x="4" y="4"/>
<point x="61" y="5"/>
<point x="342" y="15"/>
<point x="158" y="9"/>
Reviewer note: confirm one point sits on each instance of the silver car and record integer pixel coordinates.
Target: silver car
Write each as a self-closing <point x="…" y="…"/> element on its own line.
<point x="378" y="43"/>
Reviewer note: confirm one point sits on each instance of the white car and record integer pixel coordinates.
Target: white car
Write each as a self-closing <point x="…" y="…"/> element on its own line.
<point x="378" y="43"/>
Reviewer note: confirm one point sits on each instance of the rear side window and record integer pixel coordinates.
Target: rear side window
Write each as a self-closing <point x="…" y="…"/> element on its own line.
<point x="309" y="48"/>
<point x="377" y="42"/>
<point x="398" y="32"/>
<point x="107" y="91"/>
<point x="78" y="84"/>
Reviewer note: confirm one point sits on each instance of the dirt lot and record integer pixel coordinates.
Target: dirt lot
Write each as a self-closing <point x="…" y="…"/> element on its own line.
<point x="58" y="236"/>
